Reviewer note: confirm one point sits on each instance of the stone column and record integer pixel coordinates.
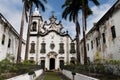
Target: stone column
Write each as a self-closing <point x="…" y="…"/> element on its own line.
<point x="67" y="49"/>
<point x="37" y="42"/>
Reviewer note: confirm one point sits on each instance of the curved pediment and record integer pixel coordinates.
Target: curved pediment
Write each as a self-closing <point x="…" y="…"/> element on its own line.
<point x="52" y="25"/>
<point x="52" y="54"/>
<point x="46" y="33"/>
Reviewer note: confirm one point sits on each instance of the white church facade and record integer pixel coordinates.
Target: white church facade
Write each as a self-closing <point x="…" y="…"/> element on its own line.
<point x="49" y="46"/>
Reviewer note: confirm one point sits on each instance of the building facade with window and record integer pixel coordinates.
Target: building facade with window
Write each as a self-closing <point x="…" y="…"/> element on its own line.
<point x="103" y="40"/>
<point x="9" y="39"/>
<point x="49" y="46"/>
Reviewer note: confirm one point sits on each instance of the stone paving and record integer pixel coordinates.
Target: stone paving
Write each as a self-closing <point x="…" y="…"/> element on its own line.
<point x="63" y="77"/>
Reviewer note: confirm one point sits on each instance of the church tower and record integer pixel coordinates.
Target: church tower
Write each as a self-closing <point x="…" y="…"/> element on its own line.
<point x="36" y="22"/>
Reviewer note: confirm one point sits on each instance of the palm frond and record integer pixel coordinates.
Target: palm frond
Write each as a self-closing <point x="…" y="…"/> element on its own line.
<point x="77" y="28"/>
<point x="96" y="2"/>
<point x="67" y="3"/>
<point x="26" y="8"/>
<point x="41" y="5"/>
<point x="45" y="1"/>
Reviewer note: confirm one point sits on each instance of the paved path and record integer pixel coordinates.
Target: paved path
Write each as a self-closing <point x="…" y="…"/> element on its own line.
<point x="52" y="75"/>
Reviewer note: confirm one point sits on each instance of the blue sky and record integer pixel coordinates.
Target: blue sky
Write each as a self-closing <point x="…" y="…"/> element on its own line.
<point x="12" y="10"/>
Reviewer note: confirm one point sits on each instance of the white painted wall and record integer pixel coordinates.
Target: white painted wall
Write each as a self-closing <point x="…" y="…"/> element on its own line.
<point x="77" y="76"/>
<point x="27" y="77"/>
<point x="10" y="33"/>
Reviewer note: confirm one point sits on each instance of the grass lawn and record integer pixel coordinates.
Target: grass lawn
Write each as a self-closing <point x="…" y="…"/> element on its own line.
<point x="51" y="76"/>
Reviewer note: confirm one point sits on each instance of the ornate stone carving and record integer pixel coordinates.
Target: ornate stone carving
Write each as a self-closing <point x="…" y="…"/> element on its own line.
<point x="52" y="54"/>
<point x="52" y="46"/>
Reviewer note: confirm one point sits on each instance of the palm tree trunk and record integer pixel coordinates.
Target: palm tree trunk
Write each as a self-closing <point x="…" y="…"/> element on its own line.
<point x="77" y="48"/>
<point x="77" y="40"/>
<point x="84" y="43"/>
<point x="84" y="29"/>
<point x="28" y="34"/>
<point x="21" y="36"/>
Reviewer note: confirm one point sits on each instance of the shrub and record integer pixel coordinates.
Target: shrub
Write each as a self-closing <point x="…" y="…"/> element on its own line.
<point x="5" y="66"/>
<point x="100" y="68"/>
<point x="31" y="72"/>
<point x="1" y="78"/>
<point x="73" y="72"/>
<point x="16" y="69"/>
<point x="28" y="62"/>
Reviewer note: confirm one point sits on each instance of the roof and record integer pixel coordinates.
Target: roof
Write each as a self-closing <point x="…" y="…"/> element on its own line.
<point x="106" y="16"/>
<point x="10" y="26"/>
<point x="46" y="33"/>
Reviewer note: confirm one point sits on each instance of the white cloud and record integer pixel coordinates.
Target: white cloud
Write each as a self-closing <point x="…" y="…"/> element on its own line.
<point x="12" y="11"/>
<point x="47" y="12"/>
<point x="98" y="12"/>
<point x="70" y="26"/>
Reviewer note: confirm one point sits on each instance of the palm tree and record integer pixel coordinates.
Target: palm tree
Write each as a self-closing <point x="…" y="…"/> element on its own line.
<point x="85" y="12"/>
<point x="38" y="4"/>
<point x="72" y="8"/>
<point x="24" y="14"/>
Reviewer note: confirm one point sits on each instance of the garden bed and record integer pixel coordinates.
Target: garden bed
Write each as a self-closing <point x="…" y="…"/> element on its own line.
<point x="103" y="76"/>
<point x="9" y="69"/>
<point x="99" y="71"/>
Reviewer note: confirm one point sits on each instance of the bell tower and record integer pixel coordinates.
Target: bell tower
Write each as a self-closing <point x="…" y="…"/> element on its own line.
<point x="36" y="22"/>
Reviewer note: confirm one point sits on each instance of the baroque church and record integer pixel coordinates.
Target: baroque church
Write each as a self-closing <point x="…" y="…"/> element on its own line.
<point x="49" y="46"/>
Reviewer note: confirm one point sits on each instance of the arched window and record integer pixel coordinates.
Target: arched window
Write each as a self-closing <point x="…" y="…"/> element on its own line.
<point x="32" y="50"/>
<point x="43" y="50"/>
<point x="61" y="50"/>
<point x="113" y="32"/>
<point x="34" y="25"/>
<point x="3" y="39"/>
<point x="9" y="43"/>
<point x="72" y="48"/>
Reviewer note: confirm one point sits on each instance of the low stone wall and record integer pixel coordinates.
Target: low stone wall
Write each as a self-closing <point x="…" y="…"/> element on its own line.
<point x="77" y="76"/>
<point x="27" y="77"/>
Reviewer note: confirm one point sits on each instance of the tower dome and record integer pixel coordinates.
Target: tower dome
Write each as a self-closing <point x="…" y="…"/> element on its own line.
<point x="36" y="12"/>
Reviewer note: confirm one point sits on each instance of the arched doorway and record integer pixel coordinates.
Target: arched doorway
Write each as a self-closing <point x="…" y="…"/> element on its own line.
<point x="52" y="63"/>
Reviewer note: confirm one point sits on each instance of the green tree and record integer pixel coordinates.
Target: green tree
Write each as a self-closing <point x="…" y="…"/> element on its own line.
<point x="27" y="7"/>
<point x="72" y="8"/>
<point x="85" y="12"/>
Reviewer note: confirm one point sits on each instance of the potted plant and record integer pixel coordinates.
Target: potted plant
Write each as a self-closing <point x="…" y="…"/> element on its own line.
<point x="32" y="74"/>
